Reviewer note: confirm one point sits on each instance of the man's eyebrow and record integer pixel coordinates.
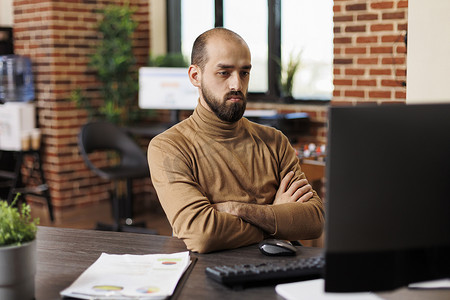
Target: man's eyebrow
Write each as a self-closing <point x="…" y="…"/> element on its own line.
<point x="225" y="66"/>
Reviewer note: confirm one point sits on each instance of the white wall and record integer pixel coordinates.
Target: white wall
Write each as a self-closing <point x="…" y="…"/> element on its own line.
<point x="158" y="27"/>
<point x="428" y="57"/>
<point x="6" y="13"/>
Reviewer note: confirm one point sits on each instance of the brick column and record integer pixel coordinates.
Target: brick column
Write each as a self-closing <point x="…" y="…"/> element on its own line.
<point x="369" y="51"/>
<point x="59" y="36"/>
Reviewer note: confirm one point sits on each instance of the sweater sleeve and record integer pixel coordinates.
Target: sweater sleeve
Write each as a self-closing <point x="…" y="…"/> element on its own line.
<point x="190" y="213"/>
<point x="297" y="221"/>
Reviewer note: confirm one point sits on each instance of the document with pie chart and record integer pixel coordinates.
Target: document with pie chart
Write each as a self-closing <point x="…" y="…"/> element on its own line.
<point x="112" y="276"/>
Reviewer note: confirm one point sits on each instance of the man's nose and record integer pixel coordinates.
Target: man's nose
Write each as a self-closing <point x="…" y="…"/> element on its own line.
<point x="235" y="82"/>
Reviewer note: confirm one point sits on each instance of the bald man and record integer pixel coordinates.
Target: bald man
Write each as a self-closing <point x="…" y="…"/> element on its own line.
<point x="223" y="181"/>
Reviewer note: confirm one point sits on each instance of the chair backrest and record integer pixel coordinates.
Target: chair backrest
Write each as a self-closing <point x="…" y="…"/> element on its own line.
<point x="102" y="135"/>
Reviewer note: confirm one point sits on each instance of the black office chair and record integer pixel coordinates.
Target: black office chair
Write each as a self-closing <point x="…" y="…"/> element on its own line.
<point x="132" y="163"/>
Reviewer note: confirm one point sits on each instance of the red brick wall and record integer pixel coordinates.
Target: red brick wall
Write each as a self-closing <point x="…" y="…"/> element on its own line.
<point x="59" y="36"/>
<point x="369" y="51"/>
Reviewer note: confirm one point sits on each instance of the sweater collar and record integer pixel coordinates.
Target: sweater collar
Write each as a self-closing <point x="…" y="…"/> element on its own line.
<point x="211" y="124"/>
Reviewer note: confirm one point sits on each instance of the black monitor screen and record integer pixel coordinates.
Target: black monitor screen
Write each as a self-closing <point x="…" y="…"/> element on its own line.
<point x="388" y="196"/>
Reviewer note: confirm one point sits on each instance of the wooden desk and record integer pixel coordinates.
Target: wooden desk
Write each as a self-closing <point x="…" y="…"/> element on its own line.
<point x="314" y="169"/>
<point x="63" y="254"/>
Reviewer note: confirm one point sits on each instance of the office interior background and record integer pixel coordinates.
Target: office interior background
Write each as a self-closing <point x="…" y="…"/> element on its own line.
<point x="353" y="52"/>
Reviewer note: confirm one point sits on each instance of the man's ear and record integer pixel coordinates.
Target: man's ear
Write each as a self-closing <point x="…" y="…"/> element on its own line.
<point x="194" y="75"/>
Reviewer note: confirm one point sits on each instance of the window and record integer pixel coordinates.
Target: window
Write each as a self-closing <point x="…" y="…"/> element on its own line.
<point x="195" y="19"/>
<point x="273" y="29"/>
<point x="307" y="28"/>
<point x="240" y="17"/>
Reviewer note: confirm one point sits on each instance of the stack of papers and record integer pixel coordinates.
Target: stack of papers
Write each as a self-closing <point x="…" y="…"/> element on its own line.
<point x="433" y="284"/>
<point x="315" y="289"/>
<point x="153" y="276"/>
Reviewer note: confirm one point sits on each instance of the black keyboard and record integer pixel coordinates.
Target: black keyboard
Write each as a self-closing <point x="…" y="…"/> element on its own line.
<point x="269" y="272"/>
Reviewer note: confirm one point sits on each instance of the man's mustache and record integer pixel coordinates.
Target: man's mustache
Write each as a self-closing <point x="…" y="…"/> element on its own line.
<point x="235" y="93"/>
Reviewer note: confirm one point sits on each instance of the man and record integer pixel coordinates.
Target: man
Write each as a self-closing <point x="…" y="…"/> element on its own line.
<point x="223" y="181"/>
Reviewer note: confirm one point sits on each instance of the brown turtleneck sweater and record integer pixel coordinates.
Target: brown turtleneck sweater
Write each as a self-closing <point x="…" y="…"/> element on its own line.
<point x="203" y="160"/>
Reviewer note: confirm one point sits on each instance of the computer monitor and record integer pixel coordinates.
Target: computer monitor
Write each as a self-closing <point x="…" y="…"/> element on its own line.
<point x="387" y="196"/>
<point x="166" y="88"/>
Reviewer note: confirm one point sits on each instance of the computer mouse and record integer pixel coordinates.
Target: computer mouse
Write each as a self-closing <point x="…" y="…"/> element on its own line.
<point x="275" y="247"/>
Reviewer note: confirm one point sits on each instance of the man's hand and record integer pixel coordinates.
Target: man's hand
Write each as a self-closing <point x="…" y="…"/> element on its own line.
<point x="299" y="191"/>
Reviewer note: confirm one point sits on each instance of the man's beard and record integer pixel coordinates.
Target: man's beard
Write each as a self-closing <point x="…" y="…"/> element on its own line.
<point x="228" y="112"/>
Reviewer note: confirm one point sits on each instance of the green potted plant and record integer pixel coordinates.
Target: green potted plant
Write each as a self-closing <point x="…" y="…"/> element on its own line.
<point x="114" y="65"/>
<point x="17" y="251"/>
<point x="287" y="75"/>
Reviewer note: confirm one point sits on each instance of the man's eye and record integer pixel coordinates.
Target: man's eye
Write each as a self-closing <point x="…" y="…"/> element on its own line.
<point x="223" y="73"/>
<point x="245" y="74"/>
